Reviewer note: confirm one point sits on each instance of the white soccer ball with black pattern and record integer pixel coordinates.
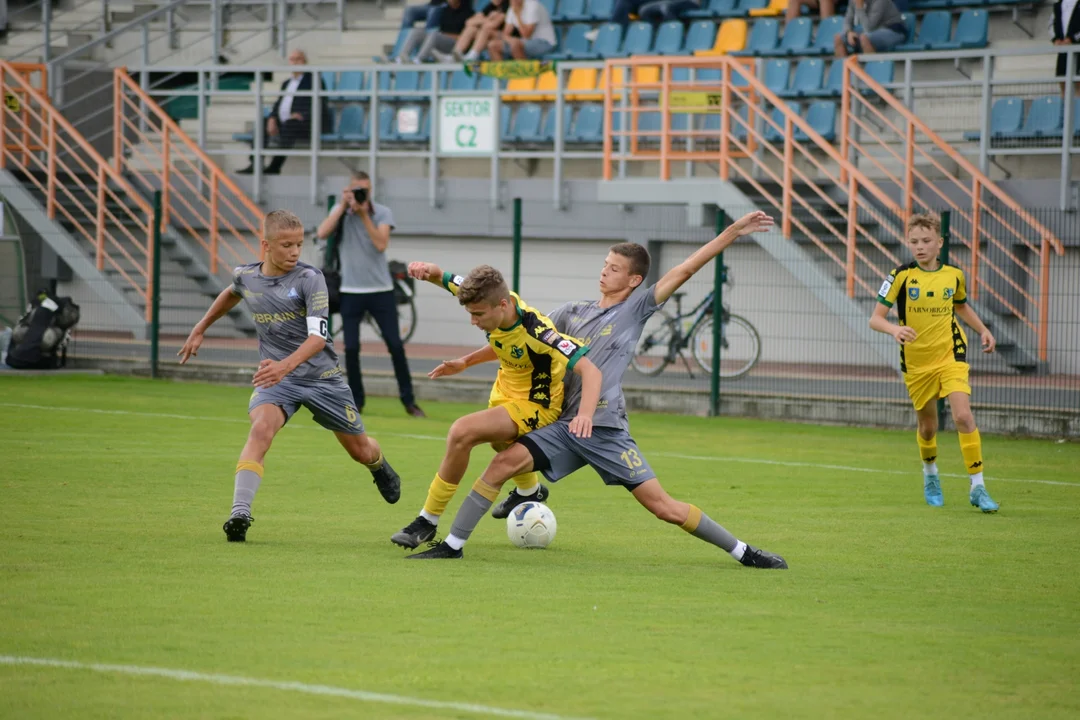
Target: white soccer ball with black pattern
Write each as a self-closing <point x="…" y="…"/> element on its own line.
<point x="531" y="525"/>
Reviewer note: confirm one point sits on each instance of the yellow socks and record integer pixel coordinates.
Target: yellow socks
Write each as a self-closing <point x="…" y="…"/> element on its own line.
<point x="438" y="496"/>
<point x="928" y="451"/>
<point x="971" y="449"/>
<point x="527" y="483"/>
<point x="693" y="519"/>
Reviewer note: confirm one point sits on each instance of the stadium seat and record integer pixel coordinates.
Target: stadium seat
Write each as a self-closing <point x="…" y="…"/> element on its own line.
<point x="881" y="71"/>
<point x="350" y="86"/>
<point x="714" y="9"/>
<point x="404" y="81"/>
<point x="353" y="126"/>
<point x="933" y="4"/>
<point x="486" y="84"/>
<point x="739" y="130"/>
<point x="669" y="39"/>
<point x="329" y="80"/>
<point x="827" y="30"/>
<point x="608" y="39"/>
<point x="649" y="124"/>
<point x="699" y="36"/>
<point x="731" y="37"/>
<point x="460" y="80"/>
<point x="638" y="40"/>
<point x="504" y="122"/>
<point x="776" y="75"/>
<point x="581" y="79"/>
<point x="518" y="85"/>
<point x="1044" y="119"/>
<point x="575" y="46"/>
<point x="821" y="116"/>
<point x="796" y="39"/>
<point x="775" y="8"/>
<point x="933" y="32"/>
<point x="834" y="81"/>
<point x="1006" y="118"/>
<point x="595" y="93"/>
<point x="600" y="10"/>
<point x="972" y="31"/>
<point x="763" y="37"/>
<point x="701" y="75"/>
<point x="909" y="25"/>
<point x="387" y="120"/>
<point x="772" y="134"/>
<point x="570" y="11"/>
<point x="549" y="83"/>
<point x="526" y="125"/>
<point x="549" y="5"/>
<point x="589" y="125"/>
<point x="808" y="79"/>
<point x="746" y="8"/>
<point x="547" y="134"/>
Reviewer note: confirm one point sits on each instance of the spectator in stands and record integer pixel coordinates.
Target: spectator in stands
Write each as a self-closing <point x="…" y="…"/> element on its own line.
<point x="290" y="119"/>
<point x="622" y="11"/>
<point x="361" y="228"/>
<point x="427" y="14"/>
<point x="443" y="38"/>
<point x="662" y="11"/>
<point x="527" y="34"/>
<point x="1065" y="30"/>
<point x="881" y="28"/>
<point x="825" y="8"/>
<point x="477" y="33"/>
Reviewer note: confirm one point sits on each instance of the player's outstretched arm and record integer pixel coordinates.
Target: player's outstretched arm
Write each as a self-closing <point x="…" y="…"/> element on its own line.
<point x="591" y="380"/>
<point x="453" y="367"/>
<point x="222" y="304"/>
<point x="750" y="223"/>
<point x="969" y="316"/>
<point x="878" y="321"/>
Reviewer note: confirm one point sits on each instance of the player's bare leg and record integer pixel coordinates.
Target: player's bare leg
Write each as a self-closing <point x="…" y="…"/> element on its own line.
<point x="690" y="518"/>
<point x="493" y="425"/>
<point x="971" y="448"/>
<point x="266" y="421"/>
<point x="926" y="435"/>
<point x="363" y="449"/>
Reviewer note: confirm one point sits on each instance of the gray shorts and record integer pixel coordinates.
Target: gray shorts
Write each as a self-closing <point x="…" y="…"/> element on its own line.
<point x="611" y="452"/>
<point x="330" y="402"/>
<point x="535" y="48"/>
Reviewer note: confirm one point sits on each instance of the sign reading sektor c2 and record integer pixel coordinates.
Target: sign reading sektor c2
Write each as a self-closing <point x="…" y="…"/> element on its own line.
<point x="467" y="125"/>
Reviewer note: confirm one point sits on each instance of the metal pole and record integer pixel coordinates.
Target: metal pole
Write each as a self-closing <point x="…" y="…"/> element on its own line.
<point x="283" y="28"/>
<point x="517" y="245"/>
<point x="215" y="32"/>
<point x="943" y="258"/>
<point x="46" y="21"/>
<point x="155" y="284"/>
<point x="331" y="200"/>
<point x="1070" y="130"/>
<point x="719" y="278"/>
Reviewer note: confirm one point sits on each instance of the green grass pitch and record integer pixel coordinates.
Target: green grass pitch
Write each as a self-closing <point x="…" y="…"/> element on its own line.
<point x="113" y="491"/>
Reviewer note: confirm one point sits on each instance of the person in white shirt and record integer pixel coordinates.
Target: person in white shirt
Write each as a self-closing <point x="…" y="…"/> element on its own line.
<point x="527" y="35"/>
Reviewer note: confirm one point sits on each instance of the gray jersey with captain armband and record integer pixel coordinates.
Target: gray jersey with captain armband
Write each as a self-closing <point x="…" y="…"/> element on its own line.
<point x="287" y="309"/>
<point x="612" y="335"/>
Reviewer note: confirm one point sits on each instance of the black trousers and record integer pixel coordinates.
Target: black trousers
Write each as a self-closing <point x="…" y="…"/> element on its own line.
<point x="289" y="132"/>
<point x="383" y="309"/>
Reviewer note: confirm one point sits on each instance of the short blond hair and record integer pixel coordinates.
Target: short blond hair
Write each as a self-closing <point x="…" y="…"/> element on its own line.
<point x="483" y="284"/>
<point x="925" y="221"/>
<point x="280" y="221"/>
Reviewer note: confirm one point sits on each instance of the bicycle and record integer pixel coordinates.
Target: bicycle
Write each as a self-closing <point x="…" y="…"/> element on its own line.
<point x="406" y="311"/>
<point x="663" y="340"/>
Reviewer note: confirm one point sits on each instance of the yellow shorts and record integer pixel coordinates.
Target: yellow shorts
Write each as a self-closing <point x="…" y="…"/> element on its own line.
<point x="528" y="416"/>
<point x="939" y="382"/>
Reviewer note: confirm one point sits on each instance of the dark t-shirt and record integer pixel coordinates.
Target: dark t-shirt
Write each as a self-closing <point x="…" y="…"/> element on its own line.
<point x="453" y="19"/>
<point x="494" y="8"/>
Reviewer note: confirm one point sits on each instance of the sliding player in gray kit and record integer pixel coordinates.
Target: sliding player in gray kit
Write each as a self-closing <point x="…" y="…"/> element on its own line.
<point x="298" y="365"/>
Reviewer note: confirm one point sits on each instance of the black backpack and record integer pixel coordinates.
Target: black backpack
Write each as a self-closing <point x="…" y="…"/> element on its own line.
<point x="40" y="338"/>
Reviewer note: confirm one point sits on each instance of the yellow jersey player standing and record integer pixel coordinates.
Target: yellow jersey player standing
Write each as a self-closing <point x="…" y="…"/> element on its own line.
<point x="929" y="296"/>
<point x="534" y="359"/>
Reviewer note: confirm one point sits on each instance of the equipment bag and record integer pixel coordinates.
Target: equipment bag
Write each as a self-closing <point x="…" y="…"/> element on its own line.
<point x="40" y="338"/>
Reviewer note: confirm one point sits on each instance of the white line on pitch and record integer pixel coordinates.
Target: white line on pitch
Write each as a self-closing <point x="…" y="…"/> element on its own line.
<point x="705" y="458"/>
<point x="326" y="690"/>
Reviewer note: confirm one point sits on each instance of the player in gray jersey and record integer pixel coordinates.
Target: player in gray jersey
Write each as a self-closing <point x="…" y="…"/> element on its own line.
<point x="611" y="327"/>
<point x="297" y="366"/>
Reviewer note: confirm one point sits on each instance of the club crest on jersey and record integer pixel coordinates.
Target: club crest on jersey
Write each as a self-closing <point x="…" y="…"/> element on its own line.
<point x="948" y="293"/>
<point x="913" y="293"/>
<point x="293" y="294"/>
<point x="516" y="352"/>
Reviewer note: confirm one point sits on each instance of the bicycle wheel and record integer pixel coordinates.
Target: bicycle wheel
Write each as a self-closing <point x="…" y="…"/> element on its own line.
<point x="740" y="346"/>
<point x="653" y="351"/>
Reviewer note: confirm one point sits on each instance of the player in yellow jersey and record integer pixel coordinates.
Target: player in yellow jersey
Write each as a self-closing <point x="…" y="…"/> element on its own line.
<point x="929" y="296"/>
<point x="528" y="391"/>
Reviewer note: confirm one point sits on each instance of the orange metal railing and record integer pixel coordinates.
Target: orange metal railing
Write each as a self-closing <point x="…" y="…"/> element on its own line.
<point x="756" y="138"/>
<point x="92" y="197"/>
<point x="15" y="98"/>
<point x="979" y="207"/>
<point x="198" y="198"/>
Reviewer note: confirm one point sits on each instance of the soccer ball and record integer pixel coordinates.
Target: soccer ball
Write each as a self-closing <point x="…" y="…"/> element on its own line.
<point x="531" y="525"/>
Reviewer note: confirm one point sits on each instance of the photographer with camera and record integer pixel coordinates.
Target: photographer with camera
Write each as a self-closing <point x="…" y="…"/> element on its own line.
<point x="358" y="231"/>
